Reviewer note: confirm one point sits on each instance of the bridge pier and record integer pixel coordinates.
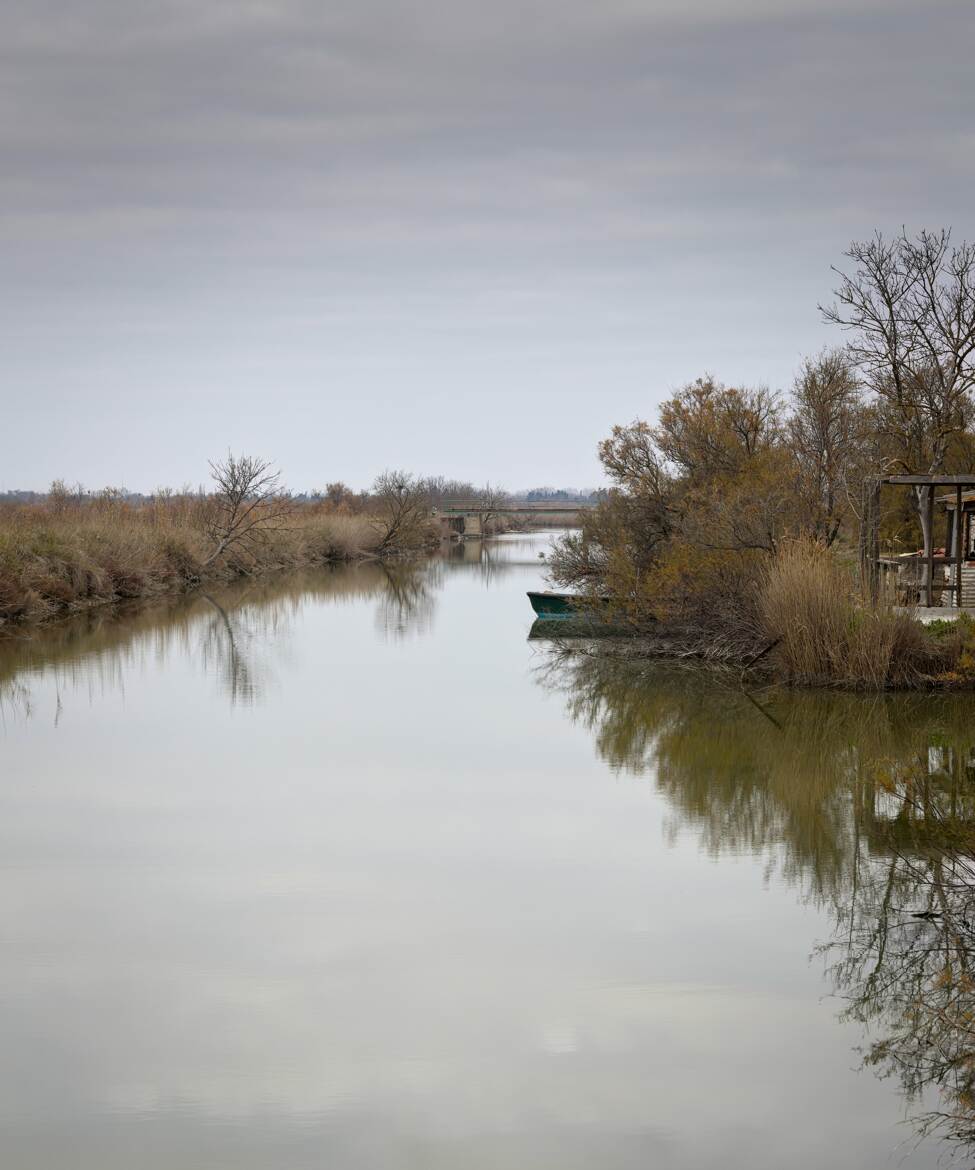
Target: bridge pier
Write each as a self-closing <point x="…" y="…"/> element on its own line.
<point x="460" y="525"/>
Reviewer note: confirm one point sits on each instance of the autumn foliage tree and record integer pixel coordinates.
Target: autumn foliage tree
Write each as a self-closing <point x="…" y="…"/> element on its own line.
<point x="831" y="439"/>
<point x="697" y="502"/>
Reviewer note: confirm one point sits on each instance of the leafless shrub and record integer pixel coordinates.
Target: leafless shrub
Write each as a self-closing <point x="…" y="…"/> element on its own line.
<point x="489" y="500"/>
<point x="403" y="517"/>
<point x="250" y="500"/>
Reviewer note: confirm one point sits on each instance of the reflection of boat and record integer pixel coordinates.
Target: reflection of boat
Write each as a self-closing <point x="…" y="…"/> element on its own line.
<point x="572" y="625"/>
<point x="569" y="615"/>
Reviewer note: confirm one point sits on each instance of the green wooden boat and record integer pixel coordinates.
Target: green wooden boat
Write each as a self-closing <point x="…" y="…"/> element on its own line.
<point x="564" y="605"/>
<point x="554" y="605"/>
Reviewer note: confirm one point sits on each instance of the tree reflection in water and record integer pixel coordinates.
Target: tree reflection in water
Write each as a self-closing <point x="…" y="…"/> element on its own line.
<point x="866" y="804"/>
<point x="238" y="634"/>
<point x="239" y="631"/>
<point x="225" y="642"/>
<point x="407" y="600"/>
<point x="902" y="950"/>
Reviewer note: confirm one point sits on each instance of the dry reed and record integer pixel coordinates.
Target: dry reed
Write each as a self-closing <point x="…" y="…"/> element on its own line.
<point x="829" y="633"/>
<point x="59" y="557"/>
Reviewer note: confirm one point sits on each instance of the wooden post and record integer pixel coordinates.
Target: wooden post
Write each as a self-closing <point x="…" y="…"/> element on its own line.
<point x="930" y="549"/>
<point x="875" y="541"/>
<point x="869" y="549"/>
<point x="958" y="542"/>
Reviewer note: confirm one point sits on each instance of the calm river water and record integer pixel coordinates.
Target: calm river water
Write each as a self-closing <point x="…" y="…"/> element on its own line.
<point x="341" y="870"/>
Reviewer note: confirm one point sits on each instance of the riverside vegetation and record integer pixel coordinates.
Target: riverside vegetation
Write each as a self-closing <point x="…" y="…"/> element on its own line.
<point x="74" y="550"/>
<point x="731" y="529"/>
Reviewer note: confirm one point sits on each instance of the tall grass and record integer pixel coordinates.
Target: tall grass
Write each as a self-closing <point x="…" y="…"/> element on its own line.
<point x="66" y="555"/>
<point x="830" y="633"/>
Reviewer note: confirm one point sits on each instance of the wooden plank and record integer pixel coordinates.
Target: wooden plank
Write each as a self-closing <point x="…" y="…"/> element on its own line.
<point x="934" y="480"/>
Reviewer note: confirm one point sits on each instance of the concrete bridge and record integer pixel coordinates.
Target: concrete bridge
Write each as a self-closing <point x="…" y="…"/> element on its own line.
<point x="468" y="517"/>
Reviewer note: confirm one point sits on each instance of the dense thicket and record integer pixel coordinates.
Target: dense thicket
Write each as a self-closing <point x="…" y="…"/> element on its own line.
<point x="730" y="487"/>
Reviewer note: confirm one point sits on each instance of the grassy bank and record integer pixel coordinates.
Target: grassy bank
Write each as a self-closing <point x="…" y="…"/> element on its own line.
<point x="55" y="559"/>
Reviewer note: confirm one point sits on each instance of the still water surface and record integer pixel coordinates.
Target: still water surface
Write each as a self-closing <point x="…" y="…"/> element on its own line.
<point x="340" y="870"/>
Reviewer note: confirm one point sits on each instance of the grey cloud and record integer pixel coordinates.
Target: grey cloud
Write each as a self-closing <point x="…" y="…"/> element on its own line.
<point x="297" y="187"/>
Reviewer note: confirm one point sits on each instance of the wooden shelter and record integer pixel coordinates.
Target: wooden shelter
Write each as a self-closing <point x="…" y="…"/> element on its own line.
<point x="959" y="504"/>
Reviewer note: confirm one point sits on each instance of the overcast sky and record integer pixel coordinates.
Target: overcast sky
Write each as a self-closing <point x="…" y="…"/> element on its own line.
<point x="461" y="237"/>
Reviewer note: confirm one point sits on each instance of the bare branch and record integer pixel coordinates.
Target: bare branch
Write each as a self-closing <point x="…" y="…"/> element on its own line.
<point x="249" y="502"/>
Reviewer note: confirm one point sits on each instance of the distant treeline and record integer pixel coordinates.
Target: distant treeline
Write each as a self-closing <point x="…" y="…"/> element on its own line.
<point x="439" y="490"/>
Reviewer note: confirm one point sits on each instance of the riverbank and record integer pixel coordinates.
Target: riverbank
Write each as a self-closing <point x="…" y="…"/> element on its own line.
<point x="936" y="656"/>
<point x="54" y="563"/>
<point x="799" y="613"/>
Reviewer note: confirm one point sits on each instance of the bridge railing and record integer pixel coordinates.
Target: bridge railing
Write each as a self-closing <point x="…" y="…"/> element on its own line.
<point x="512" y="507"/>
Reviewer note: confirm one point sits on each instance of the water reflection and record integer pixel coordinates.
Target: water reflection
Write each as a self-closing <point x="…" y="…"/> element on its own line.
<point x="407" y="600"/>
<point x="492" y="560"/>
<point x="867" y="805"/>
<point x="902" y="957"/>
<point x="226" y="644"/>
<point x="303" y="887"/>
<point x="237" y="634"/>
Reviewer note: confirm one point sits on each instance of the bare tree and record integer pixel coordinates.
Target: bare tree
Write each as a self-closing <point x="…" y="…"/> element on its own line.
<point x="249" y="502"/>
<point x="403" y="511"/>
<point x="909" y="306"/>
<point x="490" y="500"/>
<point x="826" y="436"/>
